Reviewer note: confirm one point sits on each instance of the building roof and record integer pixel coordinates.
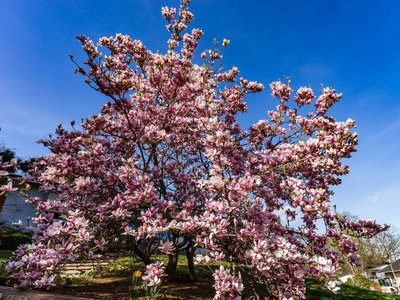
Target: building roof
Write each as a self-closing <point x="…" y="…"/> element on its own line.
<point x="394" y="265"/>
<point x="378" y="268"/>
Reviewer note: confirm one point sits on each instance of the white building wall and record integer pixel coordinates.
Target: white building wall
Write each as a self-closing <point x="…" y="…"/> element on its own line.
<point x="15" y="208"/>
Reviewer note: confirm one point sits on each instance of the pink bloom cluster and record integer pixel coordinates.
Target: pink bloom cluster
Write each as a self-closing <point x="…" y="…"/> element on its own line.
<point x="154" y="273"/>
<point x="6" y="184"/>
<point x="227" y="285"/>
<point x="55" y="243"/>
<point x="165" y="164"/>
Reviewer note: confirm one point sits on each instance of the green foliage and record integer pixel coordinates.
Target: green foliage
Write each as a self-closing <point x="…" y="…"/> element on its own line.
<point x="12" y="238"/>
<point x="361" y="281"/>
<point x="4" y="274"/>
<point x="5" y="255"/>
<point x="349" y="282"/>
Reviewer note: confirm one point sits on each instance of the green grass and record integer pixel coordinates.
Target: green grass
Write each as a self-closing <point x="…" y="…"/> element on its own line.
<point x="318" y="292"/>
<point x="12" y="238"/>
<point x="5" y="255"/>
<point x="4" y="274"/>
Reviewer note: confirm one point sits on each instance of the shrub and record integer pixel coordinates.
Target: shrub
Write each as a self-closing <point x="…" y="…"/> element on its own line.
<point x="12" y="238"/>
<point x="361" y="281"/>
<point x="375" y="286"/>
<point x="349" y="282"/>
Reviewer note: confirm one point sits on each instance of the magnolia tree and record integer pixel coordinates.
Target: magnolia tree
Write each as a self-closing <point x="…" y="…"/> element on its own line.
<point x="165" y="166"/>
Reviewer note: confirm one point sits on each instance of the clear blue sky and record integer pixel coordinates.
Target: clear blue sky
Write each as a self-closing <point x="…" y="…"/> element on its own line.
<point x="353" y="46"/>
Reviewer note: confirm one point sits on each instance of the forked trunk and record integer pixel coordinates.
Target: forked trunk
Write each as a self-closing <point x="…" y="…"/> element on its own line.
<point x="144" y="257"/>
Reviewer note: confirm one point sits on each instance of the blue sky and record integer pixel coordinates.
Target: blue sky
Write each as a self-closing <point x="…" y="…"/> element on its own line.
<point x="353" y="46"/>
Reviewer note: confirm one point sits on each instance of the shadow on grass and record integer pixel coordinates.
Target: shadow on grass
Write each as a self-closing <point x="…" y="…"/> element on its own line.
<point x="115" y="288"/>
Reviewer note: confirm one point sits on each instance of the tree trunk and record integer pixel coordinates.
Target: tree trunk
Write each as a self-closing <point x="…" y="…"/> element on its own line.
<point x="142" y="255"/>
<point x="190" y="257"/>
<point x="171" y="266"/>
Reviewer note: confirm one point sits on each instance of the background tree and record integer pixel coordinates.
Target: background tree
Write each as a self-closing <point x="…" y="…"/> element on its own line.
<point x="166" y="166"/>
<point x="389" y="242"/>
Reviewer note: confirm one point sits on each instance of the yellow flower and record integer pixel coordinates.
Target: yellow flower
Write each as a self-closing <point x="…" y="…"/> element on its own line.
<point x="137" y="273"/>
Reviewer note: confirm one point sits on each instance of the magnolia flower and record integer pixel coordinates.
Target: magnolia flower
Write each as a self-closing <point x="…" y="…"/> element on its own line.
<point x="217" y="181"/>
<point x="167" y="247"/>
<point x="200" y="259"/>
<point x="226" y="283"/>
<point x="332" y="285"/>
<point x="8" y="188"/>
<point x="154" y="273"/>
<point x="17" y="224"/>
<point x="100" y="243"/>
<point x="46" y="282"/>
<point x="54" y="229"/>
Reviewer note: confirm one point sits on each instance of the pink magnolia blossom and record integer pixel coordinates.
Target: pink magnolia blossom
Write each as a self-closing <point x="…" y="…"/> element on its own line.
<point x="332" y="285"/>
<point x="167" y="247"/>
<point x="17" y="224"/>
<point x="8" y="188"/>
<point x="227" y="284"/>
<point x="154" y="273"/>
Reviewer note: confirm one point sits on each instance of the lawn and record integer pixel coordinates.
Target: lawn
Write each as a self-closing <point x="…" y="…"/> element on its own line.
<point x="5" y="255"/>
<point x="114" y="282"/>
<point x="317" y="292"/>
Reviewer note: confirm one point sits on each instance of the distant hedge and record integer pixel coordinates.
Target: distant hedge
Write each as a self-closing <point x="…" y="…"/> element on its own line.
<point x="12" y="238"/>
